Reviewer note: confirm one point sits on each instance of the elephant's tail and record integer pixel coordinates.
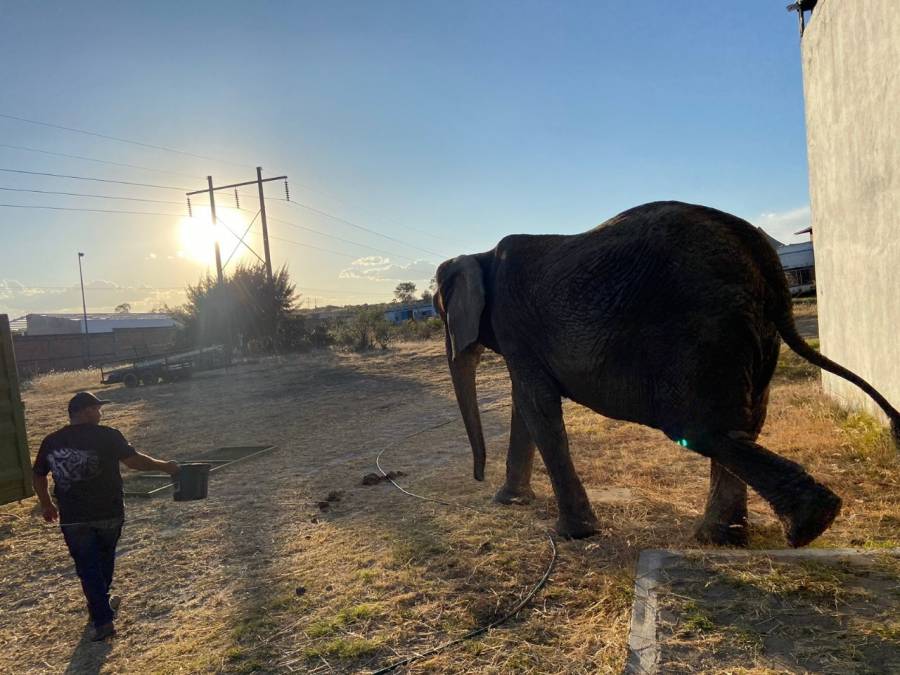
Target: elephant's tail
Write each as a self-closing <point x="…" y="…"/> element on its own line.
<point x="788" y="330"/>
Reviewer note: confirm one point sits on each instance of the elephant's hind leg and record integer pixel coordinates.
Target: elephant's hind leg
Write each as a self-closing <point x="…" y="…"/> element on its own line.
<point x="725" y="521"/>
<point x="519" y="462"/>
<point x="805" y="507"/>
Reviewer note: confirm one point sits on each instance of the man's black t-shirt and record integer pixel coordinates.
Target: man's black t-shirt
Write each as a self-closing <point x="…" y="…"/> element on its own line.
<point x="84" y="461"/>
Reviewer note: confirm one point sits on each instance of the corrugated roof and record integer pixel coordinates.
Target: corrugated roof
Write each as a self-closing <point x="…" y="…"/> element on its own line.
<point x="794" y="256"/>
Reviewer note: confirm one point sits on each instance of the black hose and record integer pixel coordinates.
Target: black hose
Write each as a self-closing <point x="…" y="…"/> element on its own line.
<point x="484" y="629"/>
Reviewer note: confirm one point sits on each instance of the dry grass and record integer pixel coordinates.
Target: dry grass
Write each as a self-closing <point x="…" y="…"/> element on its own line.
<point x="824" y="616"/>
<point x="804" y="307"/>
<point x="257" y="578"/>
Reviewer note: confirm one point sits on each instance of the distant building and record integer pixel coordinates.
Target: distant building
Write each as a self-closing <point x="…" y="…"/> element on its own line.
<point x="798" y="262"/>
<point x="799" y="266"/>
<point x="415" y="312"/>
<point x="68" y="324"/>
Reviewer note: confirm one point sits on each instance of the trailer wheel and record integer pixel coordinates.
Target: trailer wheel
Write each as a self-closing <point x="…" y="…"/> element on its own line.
<point x="150" y="380"/>
<point x="130" y="380"/>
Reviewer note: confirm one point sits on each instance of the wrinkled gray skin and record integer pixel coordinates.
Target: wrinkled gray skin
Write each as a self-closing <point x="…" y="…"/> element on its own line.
<point x="669" y="315"/>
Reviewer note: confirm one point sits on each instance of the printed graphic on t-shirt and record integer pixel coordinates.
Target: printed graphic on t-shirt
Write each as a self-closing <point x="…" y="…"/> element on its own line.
<point x="70" y="465"/>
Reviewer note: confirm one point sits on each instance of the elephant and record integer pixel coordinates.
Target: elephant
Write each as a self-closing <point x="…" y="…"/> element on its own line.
<point x="670" y="315"/>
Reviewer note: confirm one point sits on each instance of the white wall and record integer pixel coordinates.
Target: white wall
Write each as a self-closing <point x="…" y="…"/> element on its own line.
<point x="851" y="74"/>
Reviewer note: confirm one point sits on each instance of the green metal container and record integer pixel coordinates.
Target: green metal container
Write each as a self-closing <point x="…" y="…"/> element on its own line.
<point x="192" y="481"/>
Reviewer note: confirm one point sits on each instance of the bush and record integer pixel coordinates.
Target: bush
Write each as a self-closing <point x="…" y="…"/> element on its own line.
<point x="427" y="329"/>
<point x="364" y="331"/>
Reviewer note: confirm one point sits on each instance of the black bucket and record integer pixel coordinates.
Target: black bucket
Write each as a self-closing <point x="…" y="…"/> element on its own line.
<point x="191" y="481"/>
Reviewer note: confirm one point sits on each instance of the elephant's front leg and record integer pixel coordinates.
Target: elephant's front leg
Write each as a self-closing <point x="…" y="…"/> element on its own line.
<point x="541" y="410"/>
<point x="725" y="519"/>
<point x="519" y="462"/>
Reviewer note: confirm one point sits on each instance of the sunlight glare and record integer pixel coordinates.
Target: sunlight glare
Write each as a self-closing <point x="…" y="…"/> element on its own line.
<point x="197" y="235"/>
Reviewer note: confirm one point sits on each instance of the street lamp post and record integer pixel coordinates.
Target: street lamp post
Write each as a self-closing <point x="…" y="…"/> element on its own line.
<point x="86" y="349"/>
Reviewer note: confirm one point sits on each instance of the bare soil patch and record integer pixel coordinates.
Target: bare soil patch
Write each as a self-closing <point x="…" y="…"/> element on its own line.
<point x="260" y="578"/>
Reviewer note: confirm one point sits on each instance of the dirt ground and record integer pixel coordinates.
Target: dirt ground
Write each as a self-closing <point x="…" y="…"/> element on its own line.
<point x="262" y="578"/>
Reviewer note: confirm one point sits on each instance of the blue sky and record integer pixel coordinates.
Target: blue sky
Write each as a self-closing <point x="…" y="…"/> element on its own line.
<point x="441" y="126"/>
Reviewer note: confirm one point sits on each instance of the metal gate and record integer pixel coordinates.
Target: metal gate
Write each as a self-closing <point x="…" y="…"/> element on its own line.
<point x="15" y="463"/>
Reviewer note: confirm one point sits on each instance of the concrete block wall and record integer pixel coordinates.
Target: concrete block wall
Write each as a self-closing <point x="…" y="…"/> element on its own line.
<point x="851" y="78"/>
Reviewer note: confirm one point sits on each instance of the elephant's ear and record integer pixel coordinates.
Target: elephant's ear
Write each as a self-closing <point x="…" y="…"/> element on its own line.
<point x="461" y="301"/>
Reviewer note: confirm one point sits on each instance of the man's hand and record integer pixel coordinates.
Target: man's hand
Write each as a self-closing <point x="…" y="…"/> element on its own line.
<point x="141" y="462"/>
<point x="50" y="513"/>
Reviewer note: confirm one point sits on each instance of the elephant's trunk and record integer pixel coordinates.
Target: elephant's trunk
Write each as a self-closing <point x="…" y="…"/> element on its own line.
<point x="462" y="370"/>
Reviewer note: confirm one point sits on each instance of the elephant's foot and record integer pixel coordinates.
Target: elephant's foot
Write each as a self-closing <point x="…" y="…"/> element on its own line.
<point x="722" y="534"/>
<point x="810" y="515"/>
<point x="576" y="528"/>
<point x="511" y="495"/>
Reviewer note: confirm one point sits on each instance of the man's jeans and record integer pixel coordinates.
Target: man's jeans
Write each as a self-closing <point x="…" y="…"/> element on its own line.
<point x="93" y="548"/>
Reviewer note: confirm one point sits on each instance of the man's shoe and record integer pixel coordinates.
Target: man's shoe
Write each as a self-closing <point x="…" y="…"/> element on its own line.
<point x="103" y="632"/>
<point x="114" y="602"/>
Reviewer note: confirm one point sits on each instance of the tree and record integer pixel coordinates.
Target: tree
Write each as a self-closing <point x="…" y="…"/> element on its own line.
<point x="405" y="292"/>
<point x="124" y="308"/>
<point x="427" y="296"/>
<point x="246" y="306"/>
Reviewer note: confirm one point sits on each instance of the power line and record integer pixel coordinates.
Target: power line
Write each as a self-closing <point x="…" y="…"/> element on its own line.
<point x="317" y="248"/>
<point x="99" y="161"/>
<point x="400" y="225"/>
<point x="89" y="288"/>
<point x="17" y="287"/>
<point x="98" y="180"/>
<point x="72" y="208"/>
<point x="84" y="194"/>
<point x="365" y="229"/>
<point x="346" y="241"/>
<point x="120" y="140"/>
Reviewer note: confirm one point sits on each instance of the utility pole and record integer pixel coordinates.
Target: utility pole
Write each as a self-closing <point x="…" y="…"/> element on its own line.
<point x="211" y="189"/>
<point x="265" y="224"/>
<point x="262" y="211"/>
<point x="212" y="210"/>
<point x="86" y="340"/>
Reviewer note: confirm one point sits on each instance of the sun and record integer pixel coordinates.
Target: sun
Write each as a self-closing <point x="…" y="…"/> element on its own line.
<point x="197" y="236"/>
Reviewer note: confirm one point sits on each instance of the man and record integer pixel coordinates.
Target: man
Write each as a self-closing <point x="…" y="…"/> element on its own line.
<point x="84" y="459"/>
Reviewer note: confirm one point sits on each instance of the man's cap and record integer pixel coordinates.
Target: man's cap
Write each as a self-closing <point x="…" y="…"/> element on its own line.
<point x="82" y="400"/>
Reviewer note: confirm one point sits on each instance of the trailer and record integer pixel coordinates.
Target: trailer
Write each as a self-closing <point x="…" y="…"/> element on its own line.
<point x="173" y="367"/>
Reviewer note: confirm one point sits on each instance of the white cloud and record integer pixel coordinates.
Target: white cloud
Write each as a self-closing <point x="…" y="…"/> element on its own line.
<point x="385" y="270"/>
<point x="17" y="299"/>
<point x="783" y="224"/>
<point x="371" y="261"/>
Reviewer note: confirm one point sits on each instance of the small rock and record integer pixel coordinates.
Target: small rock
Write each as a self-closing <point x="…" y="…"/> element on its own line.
<point x="324" y="506"/>
<point x="300" y="590"/>
<point x="334" y="496"/>
<point x="313" y="520"/>
<point x="484" y="547"/>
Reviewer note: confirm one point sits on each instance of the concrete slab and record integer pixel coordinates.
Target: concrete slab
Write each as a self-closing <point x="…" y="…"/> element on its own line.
<point x="658" y="569"/>
<point x="609" y="494"/>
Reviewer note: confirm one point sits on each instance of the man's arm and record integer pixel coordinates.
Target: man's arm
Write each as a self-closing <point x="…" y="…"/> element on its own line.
<point x="141" y="462"/>
<point x="42" y="490"/>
